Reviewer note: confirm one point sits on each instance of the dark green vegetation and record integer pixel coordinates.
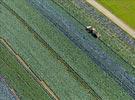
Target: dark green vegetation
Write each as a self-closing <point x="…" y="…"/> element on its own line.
<point x="68" y="71"/>
<point x="124" y="9"/>
<point x="18" y="78"/>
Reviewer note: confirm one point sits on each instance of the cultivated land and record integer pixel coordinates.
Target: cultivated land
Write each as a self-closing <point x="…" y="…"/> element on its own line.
<point x="50" y="36"/>
<point x="108" y="37"/>
<point x="18" y="78"/>
<point x="124" y="9"/>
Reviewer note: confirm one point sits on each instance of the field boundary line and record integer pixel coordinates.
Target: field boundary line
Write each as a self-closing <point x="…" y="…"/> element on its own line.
<point x="112" y="17"/>
<point x="14" y="93"/>
<point x="27" y="68"/>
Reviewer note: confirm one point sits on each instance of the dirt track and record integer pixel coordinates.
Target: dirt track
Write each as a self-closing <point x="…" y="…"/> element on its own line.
<point x="112" y="17"/>
<point x="14" y="93"/>
<point x="42" y="83"/>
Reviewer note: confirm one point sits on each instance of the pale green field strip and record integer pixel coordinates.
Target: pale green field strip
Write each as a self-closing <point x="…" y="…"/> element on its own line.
<point x="117" y="45"/>
<point x="18" y="78"/>
<point x="124" y="9"/>
<point x="47" y="65"/>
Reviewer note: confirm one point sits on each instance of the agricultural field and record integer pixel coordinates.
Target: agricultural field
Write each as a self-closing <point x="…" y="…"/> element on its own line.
<point x="58" y="59"/>
<point x="17" y="79"/>
<point x="124" y="9"/>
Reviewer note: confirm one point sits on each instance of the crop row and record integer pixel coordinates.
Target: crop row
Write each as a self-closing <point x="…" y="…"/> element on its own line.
<point x="94" y="18"/>
<point x="18" y="78"/>
<point x="34" y="53"/>
<point x="101" y="57"/>
<point x="43" y="63"/>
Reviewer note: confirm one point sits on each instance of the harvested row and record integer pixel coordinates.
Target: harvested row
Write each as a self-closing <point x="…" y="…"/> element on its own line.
<point x="90" y="72"/>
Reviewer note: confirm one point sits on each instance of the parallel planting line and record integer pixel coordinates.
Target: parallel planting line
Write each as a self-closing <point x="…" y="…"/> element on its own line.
<point x="14" y="93"/>
<point x="117" y="71"/>
<point x="44" y="43"/>
<point x="99" y="38"/>
<point x="27" y="68"/>
<point x="69" y="68"/>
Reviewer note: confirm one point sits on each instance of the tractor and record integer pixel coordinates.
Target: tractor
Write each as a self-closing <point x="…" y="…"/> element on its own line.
<point x="93" y="31"/>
